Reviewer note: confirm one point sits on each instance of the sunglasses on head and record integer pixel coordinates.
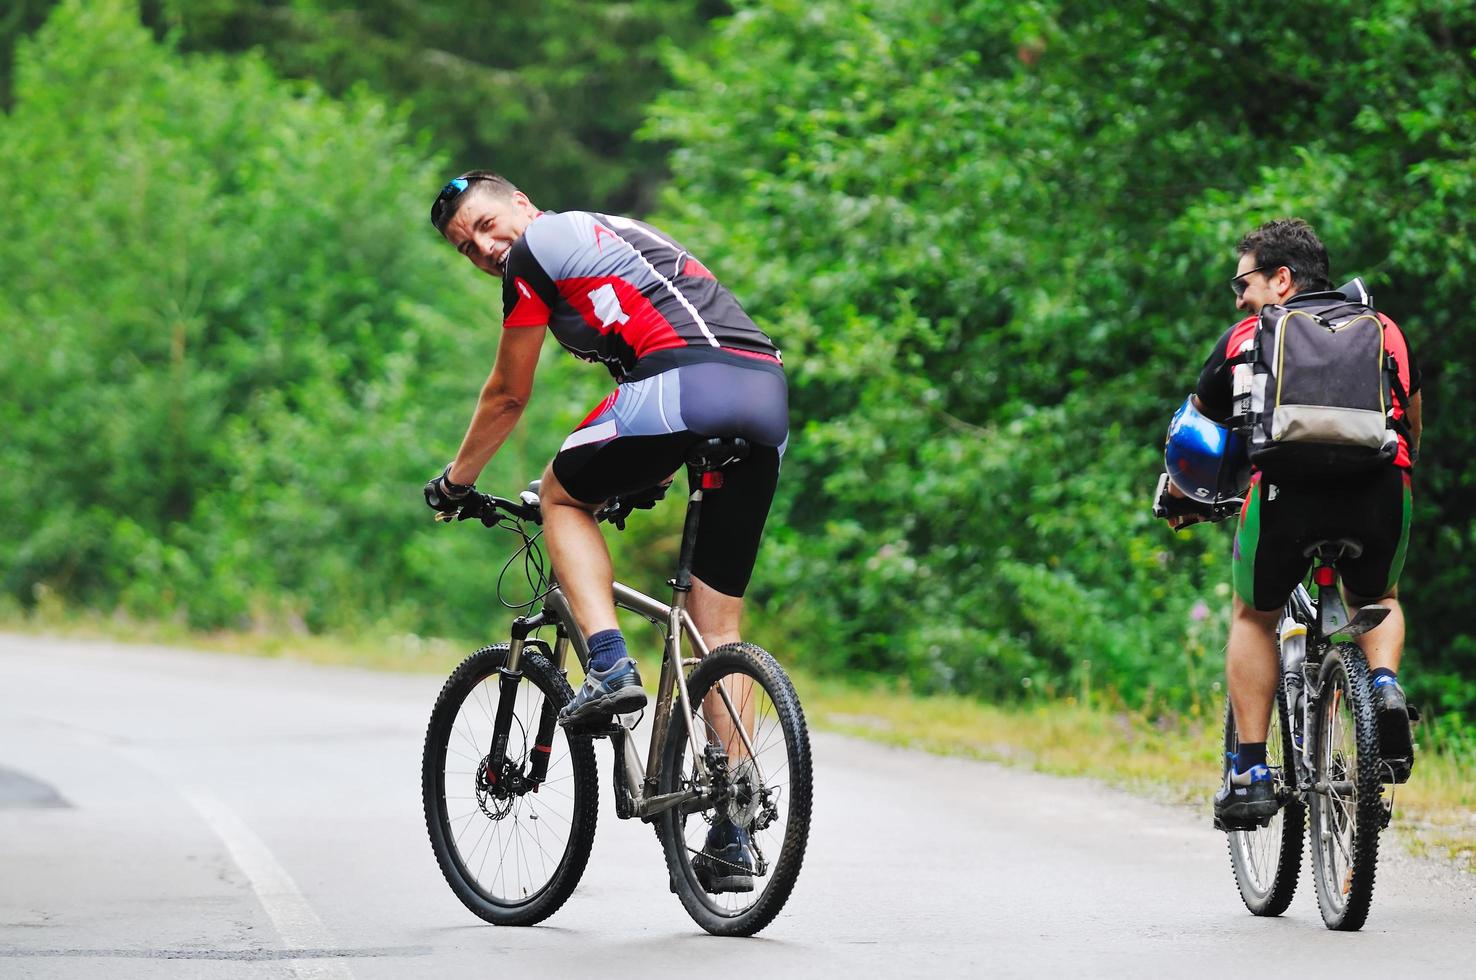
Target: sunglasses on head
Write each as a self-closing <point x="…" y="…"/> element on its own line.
<point x="442" y="210"/>
<point x="1238" y="285"/>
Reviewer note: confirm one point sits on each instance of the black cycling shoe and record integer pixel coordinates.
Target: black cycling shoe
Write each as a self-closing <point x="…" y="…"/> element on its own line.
<point x="726" y="863"/>
<point x="1247" y="800"/>
<point x="614" y="691"/>
<point x="1396" y="744"/>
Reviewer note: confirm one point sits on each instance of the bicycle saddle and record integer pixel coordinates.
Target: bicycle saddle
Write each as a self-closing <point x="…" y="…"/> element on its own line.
<point x="1334" y="550"/>
<point x="714" y="454"/>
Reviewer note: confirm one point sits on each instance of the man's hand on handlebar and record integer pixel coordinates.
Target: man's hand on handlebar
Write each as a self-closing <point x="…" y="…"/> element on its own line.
<point x="445" y="497"/>
<point x="1180" y="511"/>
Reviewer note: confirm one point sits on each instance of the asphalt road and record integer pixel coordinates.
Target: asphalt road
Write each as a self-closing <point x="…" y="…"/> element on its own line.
<point x="172" y="814"/>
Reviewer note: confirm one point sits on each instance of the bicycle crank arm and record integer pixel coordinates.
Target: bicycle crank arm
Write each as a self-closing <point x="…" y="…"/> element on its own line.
<point x="653" y="806"/>
<point x="1338" y="787"/>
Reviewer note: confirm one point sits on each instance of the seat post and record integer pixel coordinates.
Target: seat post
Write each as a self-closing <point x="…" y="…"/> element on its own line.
<point x="705" y="465"/>
<point x="699" y="480"/>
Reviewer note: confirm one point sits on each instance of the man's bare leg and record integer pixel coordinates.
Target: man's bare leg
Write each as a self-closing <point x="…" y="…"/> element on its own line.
<point x="579" y="555"/>
<point x="717" y="617"/>
<point x="1251" y="669"/>
<point x="1384" y="644"/>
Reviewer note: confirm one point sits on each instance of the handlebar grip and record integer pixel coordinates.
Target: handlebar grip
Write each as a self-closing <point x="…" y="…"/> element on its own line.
<point x="1167" y="505"/>
<point x="1159" y="492"/>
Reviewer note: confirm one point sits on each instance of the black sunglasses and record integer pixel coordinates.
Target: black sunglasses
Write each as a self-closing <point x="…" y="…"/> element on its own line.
<point x="442" y="210"/>
<point x="1238" y="285"/>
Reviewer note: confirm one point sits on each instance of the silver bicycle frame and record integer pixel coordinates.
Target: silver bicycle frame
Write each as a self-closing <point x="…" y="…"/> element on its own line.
<point x="642" y="783"/>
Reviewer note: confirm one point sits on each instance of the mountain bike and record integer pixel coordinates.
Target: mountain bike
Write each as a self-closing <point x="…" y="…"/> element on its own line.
<point x="1323" y="750"/>
<point x="510" y="796"/>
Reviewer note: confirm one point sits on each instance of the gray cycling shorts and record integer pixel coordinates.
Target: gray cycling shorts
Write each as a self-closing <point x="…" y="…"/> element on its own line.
<point x="641" y="434"/>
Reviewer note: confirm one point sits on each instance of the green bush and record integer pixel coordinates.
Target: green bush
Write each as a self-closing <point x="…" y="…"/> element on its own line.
<point x="994" y="240"/>
<point x="236" y="347"/>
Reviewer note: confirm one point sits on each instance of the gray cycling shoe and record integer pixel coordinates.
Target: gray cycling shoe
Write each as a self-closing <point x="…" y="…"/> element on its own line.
<point x="605" y="692"/>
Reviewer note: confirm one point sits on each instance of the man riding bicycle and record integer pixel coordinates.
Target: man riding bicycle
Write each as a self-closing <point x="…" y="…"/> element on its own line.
<point x="1284" y="263"/>
<point x="690" y="365"/>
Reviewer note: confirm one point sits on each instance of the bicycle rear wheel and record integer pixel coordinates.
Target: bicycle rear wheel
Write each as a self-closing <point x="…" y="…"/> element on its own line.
<point x="764" y="792"/>
<point x="1347" y="811"/>
<point x="513" y="856"/>
<point x="1268" y="860"/>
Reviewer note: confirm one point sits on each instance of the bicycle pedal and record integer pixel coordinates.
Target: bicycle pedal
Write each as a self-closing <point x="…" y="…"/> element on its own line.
<point x="1397" y="771"/>
<point x="1228" y="825"/>
<point x="594" y="728"/>
<point x="1413" y="712"/>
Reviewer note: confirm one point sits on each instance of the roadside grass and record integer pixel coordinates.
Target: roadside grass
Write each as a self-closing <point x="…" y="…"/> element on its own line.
<point x="1169" y="757"/>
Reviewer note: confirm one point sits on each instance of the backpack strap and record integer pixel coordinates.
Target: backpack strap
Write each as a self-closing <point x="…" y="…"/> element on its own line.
<point x="1401" y="424"/>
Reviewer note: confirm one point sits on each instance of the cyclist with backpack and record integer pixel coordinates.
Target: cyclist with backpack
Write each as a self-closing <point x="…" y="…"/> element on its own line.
<point x="1322" y="395"/>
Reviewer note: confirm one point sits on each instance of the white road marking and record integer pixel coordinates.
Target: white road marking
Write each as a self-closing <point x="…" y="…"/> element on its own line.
<point x="294" y="919"/>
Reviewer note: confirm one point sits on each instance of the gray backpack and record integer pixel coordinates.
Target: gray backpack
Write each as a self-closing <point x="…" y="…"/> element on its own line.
<point x="1315" y="391"/>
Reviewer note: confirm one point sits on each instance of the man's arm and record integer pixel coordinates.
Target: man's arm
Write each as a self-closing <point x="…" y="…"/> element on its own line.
<point x="1212" y="395"/>
<point x="501" y="403"/>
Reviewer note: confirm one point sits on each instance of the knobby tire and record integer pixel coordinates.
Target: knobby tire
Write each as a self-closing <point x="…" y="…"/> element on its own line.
<point x="1344" y="895"/>
<point x="1266" y="887"/>
<point x="673" y="827"/>
<point x="477" y="889"/>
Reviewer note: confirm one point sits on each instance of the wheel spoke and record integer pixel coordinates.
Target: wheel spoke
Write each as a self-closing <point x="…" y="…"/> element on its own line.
<point x="507" y="844"/>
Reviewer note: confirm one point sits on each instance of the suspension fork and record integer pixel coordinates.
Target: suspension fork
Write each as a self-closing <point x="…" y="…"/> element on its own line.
<point x="548" y="719"/>
<point x="510" y="675"/>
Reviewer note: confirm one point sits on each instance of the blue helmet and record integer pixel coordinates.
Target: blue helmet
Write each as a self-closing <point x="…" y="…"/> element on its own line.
<point x="1204" y="459"/>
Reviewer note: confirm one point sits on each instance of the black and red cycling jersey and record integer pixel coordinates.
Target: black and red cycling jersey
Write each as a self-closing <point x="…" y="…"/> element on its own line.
<point x="1216" y="384"/>
<point x="616" y="290"/>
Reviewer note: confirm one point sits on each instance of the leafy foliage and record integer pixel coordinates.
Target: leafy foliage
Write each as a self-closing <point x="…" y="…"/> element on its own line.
<point x="548" y="90"/>
<point x="994" y="238"/>
<point x="236" y="347"/>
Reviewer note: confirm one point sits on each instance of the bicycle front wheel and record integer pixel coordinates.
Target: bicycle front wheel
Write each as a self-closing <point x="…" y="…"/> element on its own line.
<point x="1268" y="860"/>
<point x="757" y="800"/>
<point x="1347" y="811"/>
<point x="512" y="849"/>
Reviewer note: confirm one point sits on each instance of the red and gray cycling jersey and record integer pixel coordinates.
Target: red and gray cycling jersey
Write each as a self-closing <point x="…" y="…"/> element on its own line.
<point x="616" y="290"/>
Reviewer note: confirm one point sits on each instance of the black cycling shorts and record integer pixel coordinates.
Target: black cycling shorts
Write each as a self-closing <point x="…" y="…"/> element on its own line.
<point x="641" y="435"/>
<point x="1278" y="522"/>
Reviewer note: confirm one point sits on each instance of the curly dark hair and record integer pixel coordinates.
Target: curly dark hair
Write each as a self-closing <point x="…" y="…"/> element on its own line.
<point x="1290" y="242"/>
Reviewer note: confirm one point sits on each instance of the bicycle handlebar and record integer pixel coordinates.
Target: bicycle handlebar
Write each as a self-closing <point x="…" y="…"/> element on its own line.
<point x="486" y="507"/>
<point x="1167" y="505"/>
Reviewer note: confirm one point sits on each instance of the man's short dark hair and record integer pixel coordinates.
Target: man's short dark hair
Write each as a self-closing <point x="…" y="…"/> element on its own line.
<point x="1290" y="242"/>
<point x="450" y="200"/>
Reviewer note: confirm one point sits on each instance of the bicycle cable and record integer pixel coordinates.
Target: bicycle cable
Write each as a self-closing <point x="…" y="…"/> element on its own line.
<point x="535" y="570"/>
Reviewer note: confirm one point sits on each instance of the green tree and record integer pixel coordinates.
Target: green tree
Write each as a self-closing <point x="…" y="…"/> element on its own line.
<point x="549" y="91"/>
<point x="994" y="239"/>
<point x="235" y="346"/>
